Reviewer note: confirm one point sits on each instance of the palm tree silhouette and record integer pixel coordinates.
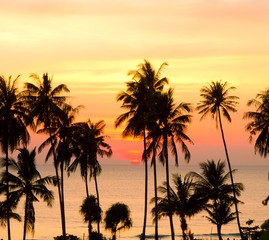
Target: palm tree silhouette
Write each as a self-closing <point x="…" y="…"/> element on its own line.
<point x="138" y="100"/>
<point x="216" y="100"/>
<point x="46" y="103"/>
<point x="259" y="122"/>
<point x="29" y="184"/>
<point x="63" y="142"/>
<point x="90" y="143"/>
<point x="91" y="212"/>
<point x="212" y="185"/>
<point x="13" y="131"/>
<point x="220" y="214"/>
<point x="171" y="128"/>
<point x="118" y="213"/>
<point x="183" y="200"/>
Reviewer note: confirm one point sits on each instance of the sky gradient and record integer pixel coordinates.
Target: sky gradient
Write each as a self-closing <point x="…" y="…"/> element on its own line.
<point x="91" y="46"/>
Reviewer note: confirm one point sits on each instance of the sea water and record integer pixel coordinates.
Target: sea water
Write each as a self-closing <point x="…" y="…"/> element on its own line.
<point x="125" y="183"/>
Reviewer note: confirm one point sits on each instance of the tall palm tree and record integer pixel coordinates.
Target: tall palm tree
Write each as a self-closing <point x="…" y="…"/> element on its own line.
<point x="13" y="131"/>
<point x="138" y="100"/>
<point x="91" y="144"/>
<point x="212" y="185"/>
<point x="172" y="122"/>
<point x="118" y="213"/>
<point x="184" y="201"/>
<point x="91" y="206"/>
<point x="28" y="183"/>
<point x="216" y="100"/>
<point x="259" y="122"/>
<point x="46" y="103"/>
<point x="63" y="142"/>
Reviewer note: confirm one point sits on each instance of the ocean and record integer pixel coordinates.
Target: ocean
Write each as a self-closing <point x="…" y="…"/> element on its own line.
<point x="125" y="183"/>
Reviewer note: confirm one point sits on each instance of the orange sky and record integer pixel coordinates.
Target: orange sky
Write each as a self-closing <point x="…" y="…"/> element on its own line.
<point x="91" y="45"/>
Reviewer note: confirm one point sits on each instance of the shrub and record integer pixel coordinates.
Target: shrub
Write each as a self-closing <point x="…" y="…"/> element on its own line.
<point x="68" y="237"/>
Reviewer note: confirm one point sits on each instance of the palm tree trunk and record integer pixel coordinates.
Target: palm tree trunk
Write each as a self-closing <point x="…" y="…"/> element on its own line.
<point x="231" y="175"/>
<point x="25" y="218"/>
<point x="146" y="187"/>
<point x="183" y="226"/>
<point x="7" y="186"/>
<point x="97" y="195"/>
<point x="168" y="186"/>
<point x="62" y="188"/>
<point x="219" y="232"/>
<point x="90" y="230"/>
<point x="86" y="184"/>
<point x="155" y="192"/>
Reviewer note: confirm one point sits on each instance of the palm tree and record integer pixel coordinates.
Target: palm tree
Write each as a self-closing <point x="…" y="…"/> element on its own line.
<point x="172" y="122"/>
<point x="29" y="184"/>
<point x="216" y="100"/>
<point x="259" y="122"/>
<point x="212" y="185"/>
<point x="138" y="100"/>
<point x="183" y="200"/>
<point x="220" y="214"/>
<point x="91" y="206"/>
<point x="90" y="142"/>
<point x="118" y="213"/>
<point x="46" y="103"/>
<point x="63" y="142"/>
<point x="13" y="131"/>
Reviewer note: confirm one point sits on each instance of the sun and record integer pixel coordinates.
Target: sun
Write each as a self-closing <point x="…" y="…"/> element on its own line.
<point x="135" y="162"/>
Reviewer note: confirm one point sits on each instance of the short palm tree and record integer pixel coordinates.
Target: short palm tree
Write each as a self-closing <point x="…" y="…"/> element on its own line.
<point x="117" y="218"/>
<point x="184" y="201"/>
<point x="138" y="100"/>
<point x="45" y="104"/>
<point x="219" y="213"/>
<point x="171" y="127"/>
<point x="28" y="183"/>
<point x="212" y="185"/>
<point x="13" y="131"/>
<point x="216" y="100"/>
<point x="91" y="212"/>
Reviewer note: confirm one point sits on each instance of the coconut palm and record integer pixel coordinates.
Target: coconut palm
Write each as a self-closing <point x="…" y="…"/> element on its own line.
<point x="63" y="142"/>
<point x="28" y="183"/>
<point x="213" y="185"/>
<point x="13" y="131"/>
<point x="219" y="213"/>
<point x="172" y="122"/>
<point x="46" y="103"/>
<point x="118" y="213"/>
<point x="259" y="122"/>
<point x="91" y="144"/>
<point x="183" y="200"/>
<point x="138" y="100"/>
<point x="91" y="212"/>
<point x="217" y="102"/>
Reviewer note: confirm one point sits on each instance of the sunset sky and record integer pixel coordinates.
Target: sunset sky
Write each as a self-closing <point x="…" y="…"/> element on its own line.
<point x="91" y="45"/>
